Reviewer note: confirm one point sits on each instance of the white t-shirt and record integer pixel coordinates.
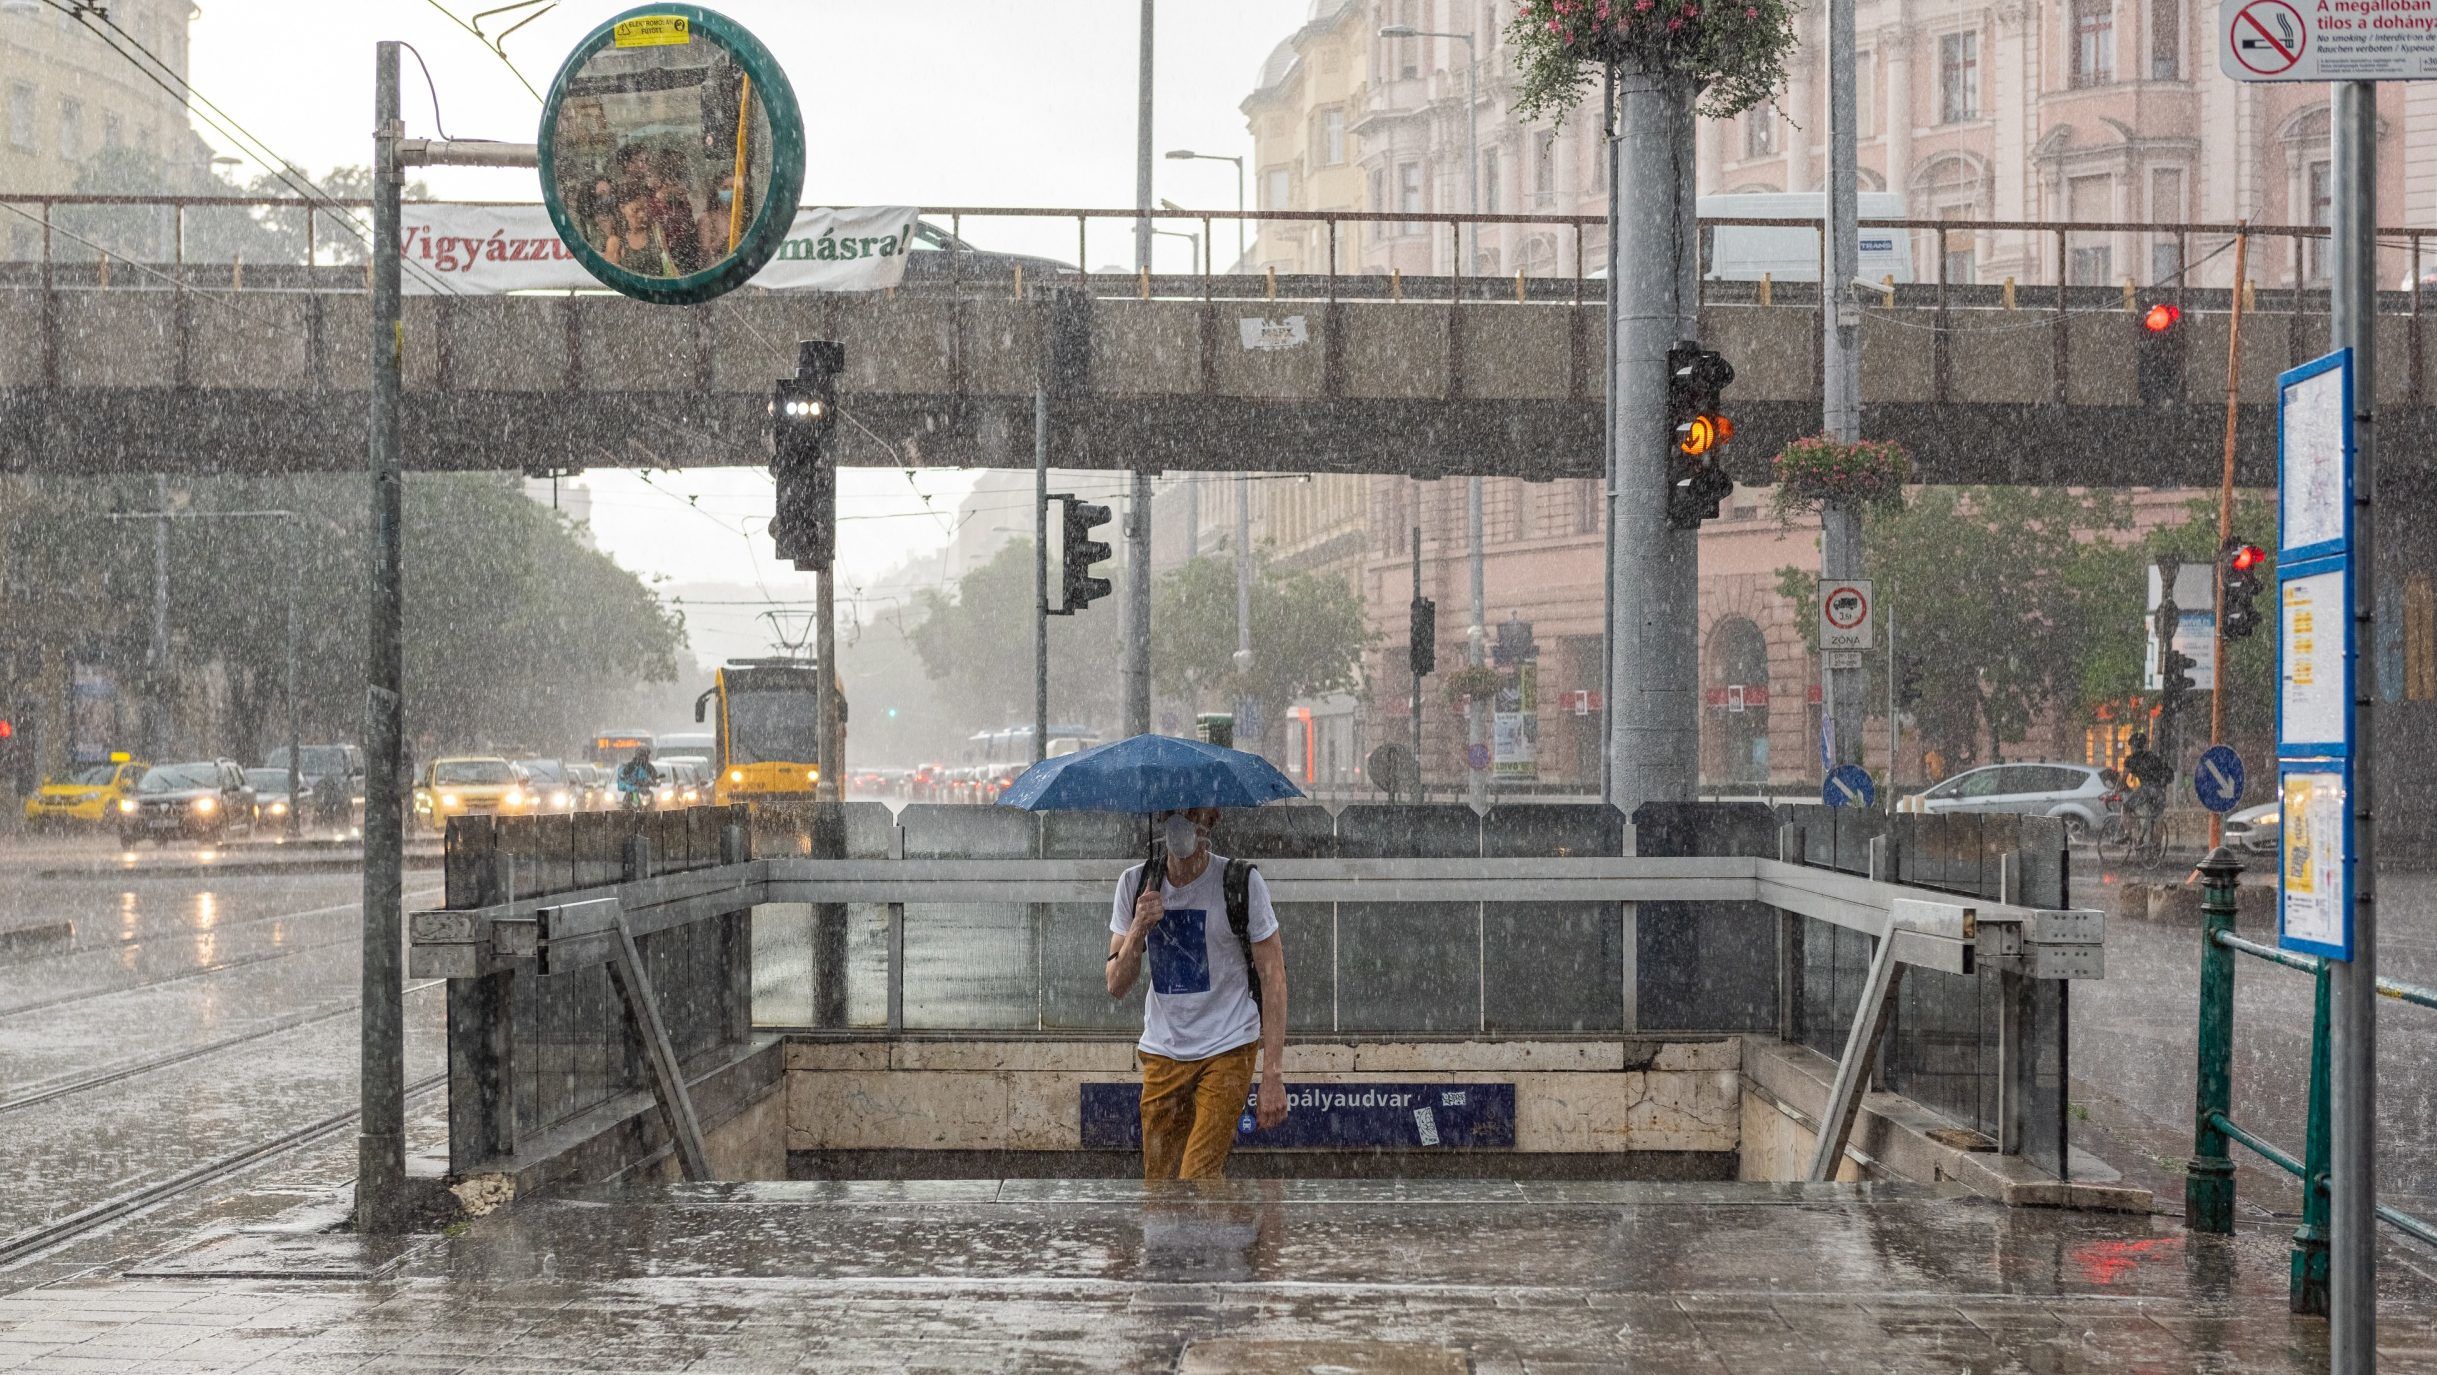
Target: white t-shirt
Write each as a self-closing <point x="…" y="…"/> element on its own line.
<point x="1200" y="999"/>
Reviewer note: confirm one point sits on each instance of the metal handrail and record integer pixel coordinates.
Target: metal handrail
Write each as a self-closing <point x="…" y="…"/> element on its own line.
<point x="2208" y="1190"/>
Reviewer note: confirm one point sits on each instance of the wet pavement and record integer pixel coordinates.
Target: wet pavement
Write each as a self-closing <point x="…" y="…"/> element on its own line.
<point x="1255" y="1275"/>
<point x="150" y="1028"/>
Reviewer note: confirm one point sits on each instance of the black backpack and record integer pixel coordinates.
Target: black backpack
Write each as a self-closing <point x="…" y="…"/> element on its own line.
<point x="1236" y="882"/>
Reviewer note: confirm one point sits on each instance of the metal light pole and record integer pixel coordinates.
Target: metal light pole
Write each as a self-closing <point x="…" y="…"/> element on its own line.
<point x="160" y="527"/>
<point x="1840" y="543"/>
<point x="1653" y="721"/>
<point x="380" y="1182"/>
<point x="380" y="1167"/>
<point x="1138" y="511"/>
<point x="156" y="650"/>
<point x="1243" y="601"/>
<point x="1476" y="635"/>
<point x="1041" y="574"/>
<point x="1188" y="155"/>
<point x="2352" y="1246"/>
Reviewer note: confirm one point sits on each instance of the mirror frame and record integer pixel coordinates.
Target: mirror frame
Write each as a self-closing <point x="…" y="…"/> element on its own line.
<point x="771" y="222"/>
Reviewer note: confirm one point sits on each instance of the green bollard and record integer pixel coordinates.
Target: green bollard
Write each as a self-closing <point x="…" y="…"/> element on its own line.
<point x="2308" y="1293"/>
<point x="2208" y="1178"/>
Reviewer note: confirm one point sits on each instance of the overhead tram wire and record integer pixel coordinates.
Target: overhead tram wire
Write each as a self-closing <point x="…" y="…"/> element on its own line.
<point x="219" y="120"/>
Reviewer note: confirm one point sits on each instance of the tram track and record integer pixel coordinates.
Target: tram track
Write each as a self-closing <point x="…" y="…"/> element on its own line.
<point x="199" y="971"/>
<point x="103" y="1078"/>
<point x="39" y="1240"/>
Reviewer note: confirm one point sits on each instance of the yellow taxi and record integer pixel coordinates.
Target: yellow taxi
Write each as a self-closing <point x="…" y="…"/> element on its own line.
<point x="86" y="795"/>
<point x="470" y="785"/>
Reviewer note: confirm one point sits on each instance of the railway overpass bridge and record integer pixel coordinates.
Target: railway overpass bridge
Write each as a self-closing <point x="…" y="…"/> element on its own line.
<point x="232" y="368"/>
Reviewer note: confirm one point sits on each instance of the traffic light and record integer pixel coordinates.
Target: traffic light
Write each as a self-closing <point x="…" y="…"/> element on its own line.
<point x="1907" y="684"/>
<point x="1424" y="638"/>
<point x="1079" y="588"/>
<point x="2175" y="680"/>
<point x="2159" y="349"/>
<point x="803" y="416"/>
<point x="1698" y="429"/>
<point x="2238" y="583"/>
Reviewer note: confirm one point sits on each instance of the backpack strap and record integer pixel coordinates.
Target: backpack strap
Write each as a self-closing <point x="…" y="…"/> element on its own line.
<point x="1237" y="881"/>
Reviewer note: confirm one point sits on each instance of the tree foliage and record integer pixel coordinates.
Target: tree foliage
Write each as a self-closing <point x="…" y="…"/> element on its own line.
<point x="518" y="632"/>
<point x="1995" y="593"/>
<point x="2014" y="603"/>
<point x="976" y="642"/>
<point x="1307" y="635"/>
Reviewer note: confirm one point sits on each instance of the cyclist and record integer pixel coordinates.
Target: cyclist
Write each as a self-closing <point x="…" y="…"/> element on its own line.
<point x="636" y="780"/>
<point x="2150" y="771"/>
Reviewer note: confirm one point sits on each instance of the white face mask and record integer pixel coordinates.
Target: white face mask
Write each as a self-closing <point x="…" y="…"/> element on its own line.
<point x="1182" y="838"/>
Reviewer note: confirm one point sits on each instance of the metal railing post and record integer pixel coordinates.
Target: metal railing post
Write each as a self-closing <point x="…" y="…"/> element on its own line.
<point x="2308" y="1286"/>
<point x="2208" y="1178"/>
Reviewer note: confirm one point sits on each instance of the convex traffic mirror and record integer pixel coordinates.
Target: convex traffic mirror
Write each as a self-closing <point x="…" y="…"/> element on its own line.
<point x="672" y="154"/>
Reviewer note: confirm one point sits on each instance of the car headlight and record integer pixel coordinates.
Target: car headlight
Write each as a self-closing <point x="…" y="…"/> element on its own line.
<point x="279" y="809"/>
<point x="813" y="774"/>
<point x="560" y="800"/>
<point x="665" y="793"/>
<point x="127" y="805"/>
<point x="691" y="795"/>
<point x="513" y="798"/>
<point x="448" y="799"/>
<point x="736" y="775"/>
<point x="207" y="805"/>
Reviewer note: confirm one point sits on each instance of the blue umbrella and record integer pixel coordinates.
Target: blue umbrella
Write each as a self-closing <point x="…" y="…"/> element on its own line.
<point x="1148" y="773"/>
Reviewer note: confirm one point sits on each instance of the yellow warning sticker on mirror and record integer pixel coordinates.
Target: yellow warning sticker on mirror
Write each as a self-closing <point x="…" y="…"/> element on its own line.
<point x="652" y="31"/>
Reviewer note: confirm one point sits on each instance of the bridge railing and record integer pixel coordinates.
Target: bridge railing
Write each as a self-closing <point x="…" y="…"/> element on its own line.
<point x="1402" y="922"/>
<point x="233" y="242"/>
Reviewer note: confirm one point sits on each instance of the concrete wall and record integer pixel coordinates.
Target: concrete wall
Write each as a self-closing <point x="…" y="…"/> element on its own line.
<point x="1571" y="1097"/>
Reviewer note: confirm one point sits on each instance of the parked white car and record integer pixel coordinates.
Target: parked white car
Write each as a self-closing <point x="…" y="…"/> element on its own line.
<point x="2081" y="794"/>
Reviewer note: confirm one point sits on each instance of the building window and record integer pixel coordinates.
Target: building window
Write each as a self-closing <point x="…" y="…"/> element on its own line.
<point x="1865" y="95"/>
<point x="71" y="129"/>
<point x="1409" y="193"/>
<point x="2165" y="208"/>
<point x="1760" y="132"/>
<point x="1958" y="77"/>
<point x="2320" y="186"/>
<point x="1544" y="169"/>
<point x="1490" y="167"/>
<point x="21" y="116"/>
<point x="1408" y="50"/>
<point x="1332" y="137"/>
<point x="2093" y="42"/>
<point x="2165" y="39"/>
<point x="1276" y="183"/>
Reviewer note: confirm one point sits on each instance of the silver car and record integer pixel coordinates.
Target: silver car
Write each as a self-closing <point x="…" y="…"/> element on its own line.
<point x="2081" y="794"/>
<point x="2259" y="829"/>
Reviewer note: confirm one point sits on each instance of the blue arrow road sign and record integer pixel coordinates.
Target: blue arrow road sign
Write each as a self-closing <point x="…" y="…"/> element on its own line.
<point x="1849" y="786"/>
<point x="2217" y="782"/>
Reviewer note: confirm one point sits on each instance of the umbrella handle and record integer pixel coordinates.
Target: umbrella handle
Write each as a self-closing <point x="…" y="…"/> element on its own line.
<point x="1153" y="864"/>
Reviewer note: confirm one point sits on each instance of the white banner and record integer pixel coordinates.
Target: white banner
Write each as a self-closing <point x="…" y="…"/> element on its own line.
<point x="483" y="250"/>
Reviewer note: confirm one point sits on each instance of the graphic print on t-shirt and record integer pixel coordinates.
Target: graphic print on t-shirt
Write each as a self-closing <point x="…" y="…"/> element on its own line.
<point x="1180" y="955"/>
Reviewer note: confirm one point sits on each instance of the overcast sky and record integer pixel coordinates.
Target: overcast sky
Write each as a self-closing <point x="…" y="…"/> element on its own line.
<point x="942" y="102"/>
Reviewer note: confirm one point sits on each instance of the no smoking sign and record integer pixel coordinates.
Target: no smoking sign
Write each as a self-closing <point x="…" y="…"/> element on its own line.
<point x="1845" y="608"/>
<point x="2327" y="40"/>
<point x="2266" y="38"/>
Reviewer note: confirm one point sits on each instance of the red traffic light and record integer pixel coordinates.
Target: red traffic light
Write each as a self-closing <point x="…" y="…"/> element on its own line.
<point x="8" y="728"/>
<point x="2245" y="557"/>
<point x="2161" y="317"/>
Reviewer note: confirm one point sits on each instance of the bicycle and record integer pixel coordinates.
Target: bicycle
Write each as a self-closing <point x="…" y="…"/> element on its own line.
<point x="2133" y="835"/>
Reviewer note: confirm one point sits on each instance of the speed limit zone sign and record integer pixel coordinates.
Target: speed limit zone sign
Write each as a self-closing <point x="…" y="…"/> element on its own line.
<point x="1844" y="613"/>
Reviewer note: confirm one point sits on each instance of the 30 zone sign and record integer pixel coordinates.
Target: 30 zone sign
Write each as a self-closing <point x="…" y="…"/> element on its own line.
<point x="1844" y="613"/>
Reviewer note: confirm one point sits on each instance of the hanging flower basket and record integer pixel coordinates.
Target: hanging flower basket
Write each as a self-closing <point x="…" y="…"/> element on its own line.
<point x="1815" y="470"/>
<point x="1732" y="51"/>
<point x="1474" y="681"/>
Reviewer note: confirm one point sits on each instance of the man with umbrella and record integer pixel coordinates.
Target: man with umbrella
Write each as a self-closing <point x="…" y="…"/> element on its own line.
<point x="1218" y="990"/>
<point x="1204" y="925"/>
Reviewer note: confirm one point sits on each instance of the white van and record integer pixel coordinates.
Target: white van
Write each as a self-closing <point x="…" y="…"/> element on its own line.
<point x="1790" y="253"/>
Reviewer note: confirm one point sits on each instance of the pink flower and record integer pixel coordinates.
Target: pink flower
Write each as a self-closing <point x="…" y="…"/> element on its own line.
<point x="1751" y="13"/>
<point x="1692" y="11"/>
<point x="1642" y="6"/>
<point x="1674" y="24"/>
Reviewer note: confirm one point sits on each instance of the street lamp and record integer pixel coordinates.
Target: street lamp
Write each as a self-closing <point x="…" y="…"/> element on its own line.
<point x="161" y="518"/>
<point x="1189" y="237"/>
<point x="1476" y="719"/>
<point x="1188" y="155"/>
